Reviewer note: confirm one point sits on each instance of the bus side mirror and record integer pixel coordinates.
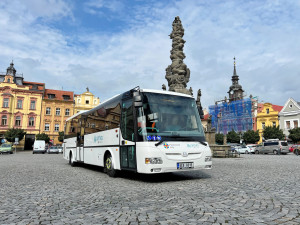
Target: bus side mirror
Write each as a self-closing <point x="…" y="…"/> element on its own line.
<point x="137" y="99"/>
<point x="137" y="104"/>
<point x="201" y="113"/>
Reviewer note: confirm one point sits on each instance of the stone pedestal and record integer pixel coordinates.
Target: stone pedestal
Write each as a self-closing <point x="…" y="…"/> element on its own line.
<point x="210" y="137"/>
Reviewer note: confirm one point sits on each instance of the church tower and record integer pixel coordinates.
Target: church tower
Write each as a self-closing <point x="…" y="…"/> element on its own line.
<point x="235" y="90"/>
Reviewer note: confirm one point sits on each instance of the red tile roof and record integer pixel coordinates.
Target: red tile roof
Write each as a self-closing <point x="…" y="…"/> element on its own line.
<point x="260" y="107"/>
<point x="39" y="86"/>
<point x="277" y="108"/>
<point x="205" y="116"/>
<point x="59" y="95"/>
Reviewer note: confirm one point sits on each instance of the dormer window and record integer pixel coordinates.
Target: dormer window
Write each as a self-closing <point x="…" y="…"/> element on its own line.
<point x="8" y="80"/>
<point x="51" y="96"/>
<point x="268" y="111"/>
<point x="66" y="97"/>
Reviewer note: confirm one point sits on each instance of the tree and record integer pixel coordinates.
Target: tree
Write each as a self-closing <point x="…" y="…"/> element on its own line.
<point x="271" y="132"/>
<point x="233" y="137"/>
<point x="251" y="136"/>
<point x="43" y="136"/>
<point x="13" y="133"/>
<point x="220" y="138"/>
<point x="61" y="136"/>
<point x="294" y="134"/>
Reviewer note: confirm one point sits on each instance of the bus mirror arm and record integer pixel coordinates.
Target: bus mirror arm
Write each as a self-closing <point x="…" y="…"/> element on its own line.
<point x="201" y="113"/>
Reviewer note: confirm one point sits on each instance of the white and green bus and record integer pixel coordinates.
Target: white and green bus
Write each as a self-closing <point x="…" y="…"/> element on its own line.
<point x="141" y="130"/>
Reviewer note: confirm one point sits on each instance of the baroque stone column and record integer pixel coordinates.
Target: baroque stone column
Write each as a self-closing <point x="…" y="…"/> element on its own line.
<point x="178" y="74"/>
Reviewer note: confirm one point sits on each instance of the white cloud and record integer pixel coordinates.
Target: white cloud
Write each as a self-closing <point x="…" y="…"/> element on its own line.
<point x="264" y="38"/>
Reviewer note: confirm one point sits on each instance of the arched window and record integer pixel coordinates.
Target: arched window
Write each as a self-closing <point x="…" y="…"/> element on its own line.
<point x="4" y="120"/>
<point x="18" y="121"/>
<point x="31" y="122"/>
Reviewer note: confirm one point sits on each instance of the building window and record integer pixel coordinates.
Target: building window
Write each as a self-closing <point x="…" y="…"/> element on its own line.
<point x="4" y="120"/>
<point x="57" y="111"/>
<point x="51" y="96"/>
<point x="87" y="101"/>
<point x="274" y="124"/>
<point x="268" y="111"/>
<point x="31" y="122"/>
<point x="19" y="104"/>
<point x="288" y="125"/>
<point x="295" y="123"/>
<point x="18" y="121"/>
<point x="8" y="80"/>
<point x="67" y="113"/>
<point x="56" y="128"/>
<point x="48" y="111"/>
<point x="47" y="126"/>
<point x="263" y="125"/>
<point x="66" y="97"/>
<point x="32" y="104"/>
<point x="5" y="102"/>
<point x="290" y="106"/>
<point x="79" y="100"/>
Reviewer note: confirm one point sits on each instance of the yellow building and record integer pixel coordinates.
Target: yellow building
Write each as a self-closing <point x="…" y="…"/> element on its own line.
<point x="57" y="106"/>
<point x="267" y="115"/>
<point x="85" y="101"/>
<point x="20" y="105"/>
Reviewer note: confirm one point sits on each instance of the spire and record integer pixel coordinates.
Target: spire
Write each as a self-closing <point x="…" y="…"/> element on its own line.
<point x="235" y="90"/>
<point x="11" y="70"/>
<point x="234" y="69"/>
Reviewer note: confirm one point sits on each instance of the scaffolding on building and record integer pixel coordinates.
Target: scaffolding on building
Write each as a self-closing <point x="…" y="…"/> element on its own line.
<point x="236" y="115"/>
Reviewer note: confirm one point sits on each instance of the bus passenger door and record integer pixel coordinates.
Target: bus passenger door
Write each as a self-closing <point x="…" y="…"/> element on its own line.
<point x="127" y="140"/>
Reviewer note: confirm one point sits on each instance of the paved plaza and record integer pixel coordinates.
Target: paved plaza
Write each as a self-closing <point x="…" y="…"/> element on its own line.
<point x="252" y="189"/>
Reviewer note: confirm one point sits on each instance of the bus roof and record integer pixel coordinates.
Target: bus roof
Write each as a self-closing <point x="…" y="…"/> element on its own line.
<point x="165" y="92"/>
<point x="84" y="112"/>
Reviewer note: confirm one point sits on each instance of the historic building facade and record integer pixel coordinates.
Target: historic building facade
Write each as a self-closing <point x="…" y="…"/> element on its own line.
<point x="57" y="106"/>
<point x="20" y="105"/>
<point x="289" y="116"/>
<point x="267" y="115"/>
<point x="85" y="101"/>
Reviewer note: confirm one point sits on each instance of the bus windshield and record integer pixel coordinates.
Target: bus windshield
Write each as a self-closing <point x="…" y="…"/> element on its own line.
<point x="169" y="117"/>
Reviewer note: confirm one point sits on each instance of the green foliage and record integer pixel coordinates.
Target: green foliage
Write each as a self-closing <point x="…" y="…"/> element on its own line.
<point x="233" y="137"/>
<point x="220" y="138"/>
<point x="12" y="133"/>
<point x="294" y="135"/>
<point x="43" y="136"/>
<point x="251" y="136"/>
<point x="271" y="132"/>
<point x="61" y="136"/>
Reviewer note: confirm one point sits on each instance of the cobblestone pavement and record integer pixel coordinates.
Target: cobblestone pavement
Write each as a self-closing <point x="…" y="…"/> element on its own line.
<point x="253" y="189"/>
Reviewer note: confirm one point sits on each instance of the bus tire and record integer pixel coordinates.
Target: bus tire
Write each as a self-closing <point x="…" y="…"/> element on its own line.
<point x="109" y="166"/>
<point x="71" y="160"/>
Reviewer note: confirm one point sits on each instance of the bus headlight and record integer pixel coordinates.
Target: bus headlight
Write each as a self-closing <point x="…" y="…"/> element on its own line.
<point x="207" y="158"/>
<point x="157" y="160"/>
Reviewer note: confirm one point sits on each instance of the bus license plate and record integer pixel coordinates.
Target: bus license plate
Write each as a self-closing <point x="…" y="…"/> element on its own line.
<point x="185" y="165"/>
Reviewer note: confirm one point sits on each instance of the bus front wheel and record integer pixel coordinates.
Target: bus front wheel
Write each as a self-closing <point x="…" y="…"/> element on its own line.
<point x="109" y="166"/>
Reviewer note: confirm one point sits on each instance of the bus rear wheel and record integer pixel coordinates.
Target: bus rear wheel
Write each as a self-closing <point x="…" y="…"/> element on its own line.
<point x="71" y="160"/>
<point x="109" y="166"/>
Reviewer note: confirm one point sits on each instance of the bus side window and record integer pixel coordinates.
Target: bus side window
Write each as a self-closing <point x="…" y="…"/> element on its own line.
<point x="127" y="122"/>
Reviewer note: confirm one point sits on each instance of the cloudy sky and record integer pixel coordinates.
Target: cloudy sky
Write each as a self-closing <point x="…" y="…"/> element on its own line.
<point x="112" y="46"/>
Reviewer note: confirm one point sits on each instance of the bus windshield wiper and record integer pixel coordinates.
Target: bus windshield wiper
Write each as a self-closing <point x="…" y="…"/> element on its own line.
<point x="161" y="141"/>
<point x="180" y="137"/>
<point x="189" y="138"/>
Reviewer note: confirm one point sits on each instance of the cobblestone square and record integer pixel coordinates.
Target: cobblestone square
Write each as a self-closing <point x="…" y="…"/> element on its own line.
<point x="252" y="189"/>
